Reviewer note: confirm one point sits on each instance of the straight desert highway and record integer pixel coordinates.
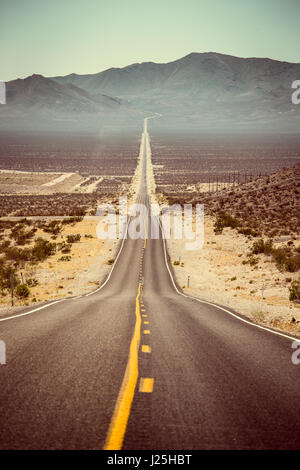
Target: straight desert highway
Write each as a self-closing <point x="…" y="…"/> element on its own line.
<point x="137" y="365"/>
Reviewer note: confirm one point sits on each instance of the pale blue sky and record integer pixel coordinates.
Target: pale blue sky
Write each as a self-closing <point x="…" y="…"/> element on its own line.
<point x="57" y="37"/>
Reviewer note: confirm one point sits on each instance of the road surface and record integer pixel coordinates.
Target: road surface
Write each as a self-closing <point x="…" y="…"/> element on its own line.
<point x="137" y="365"/>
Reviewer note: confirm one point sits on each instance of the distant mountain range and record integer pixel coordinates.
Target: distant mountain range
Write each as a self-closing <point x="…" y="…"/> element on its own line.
<point x="202" y="88"/>
<point x="37" y="94"/>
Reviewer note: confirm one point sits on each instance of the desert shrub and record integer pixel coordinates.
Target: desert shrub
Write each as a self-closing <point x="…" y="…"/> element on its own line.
<point x="32" y="282"/>
<point x="20" y="235"/>
<point x="176" y="263"/>
<point x="78" y="212"/>
<point x="251" y="260"/>
<point x="22" y="291"/>
<point x="5" y="276"/>
<point x="64" y="247"/>
<point x="73" y="238"/>
<point x="42" y="250"/>
<point x="279" y="255"/>
<point x="285" y="260"/>
<point x="53" y="227"/>
<point x="295" y="291"/>
<point x="72" y="220"/>
<point x="65" y="258"/>
<point x="224" y="220"/>
<point x="261" y="246"/>
<point x="292" y="264"/>
<point x="110" y="261"/>
<point x="5" y="244"/>
<point x="248" y="232"/>
<point x="18" y="255"/>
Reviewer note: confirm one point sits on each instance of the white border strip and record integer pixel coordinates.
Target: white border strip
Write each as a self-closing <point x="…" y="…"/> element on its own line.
<point x="31" y="311"/>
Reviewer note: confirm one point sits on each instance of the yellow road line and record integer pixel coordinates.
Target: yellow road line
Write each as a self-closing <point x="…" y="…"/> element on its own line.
<point x="146" y="348"/>
<point x="146" y="385"/>
<point x="146" y="332"/>
<point x="146" y="322"/>
<point x="144" y="316"/>
<point x="117" y="428"/>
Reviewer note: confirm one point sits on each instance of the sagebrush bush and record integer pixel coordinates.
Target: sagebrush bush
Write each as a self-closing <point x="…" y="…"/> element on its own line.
<point x="73" y="238"/>
<point x="295" y="291"/>
<point x="224" y="220"/>
<point x="5" y="276"/>
<point x="285" y="260"/>
<point x="261" y="246"/>
<point x="42" y="250"/>
<point x="22" y="291"/>
<point x="32" y="282"/>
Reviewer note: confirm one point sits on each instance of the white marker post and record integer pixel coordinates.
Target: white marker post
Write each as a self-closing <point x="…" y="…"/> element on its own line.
<point x="2" y="352"/>
<point x="2" y="93"/>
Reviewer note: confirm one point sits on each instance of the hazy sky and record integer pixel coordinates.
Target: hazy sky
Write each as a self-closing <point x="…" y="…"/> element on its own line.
<point x="57" y="37"/>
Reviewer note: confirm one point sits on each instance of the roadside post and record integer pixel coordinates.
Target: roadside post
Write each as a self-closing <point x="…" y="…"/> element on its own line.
<point x="12" y="288"/>
<point x="262" y="294"/>
<point x="188" y="281"/>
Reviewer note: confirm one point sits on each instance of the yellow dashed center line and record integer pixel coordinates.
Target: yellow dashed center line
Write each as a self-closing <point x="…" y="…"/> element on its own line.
<point x="146" y="348"/>
<point x="146" y="332"/>
<point x="146" y="385"/>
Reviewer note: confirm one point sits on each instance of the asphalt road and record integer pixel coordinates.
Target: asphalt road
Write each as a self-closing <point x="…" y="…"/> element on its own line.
<point x="136" y="365"/>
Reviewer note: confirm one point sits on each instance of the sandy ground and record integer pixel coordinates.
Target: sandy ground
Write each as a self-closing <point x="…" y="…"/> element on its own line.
<point x="22" y="182"/>
<point x="218" y="275"/>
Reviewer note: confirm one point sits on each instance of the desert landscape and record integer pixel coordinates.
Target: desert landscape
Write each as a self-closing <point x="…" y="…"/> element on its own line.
<point x="114" y="335"/>
<point x="48" y="223"/>
<point x="251" y="255"/>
